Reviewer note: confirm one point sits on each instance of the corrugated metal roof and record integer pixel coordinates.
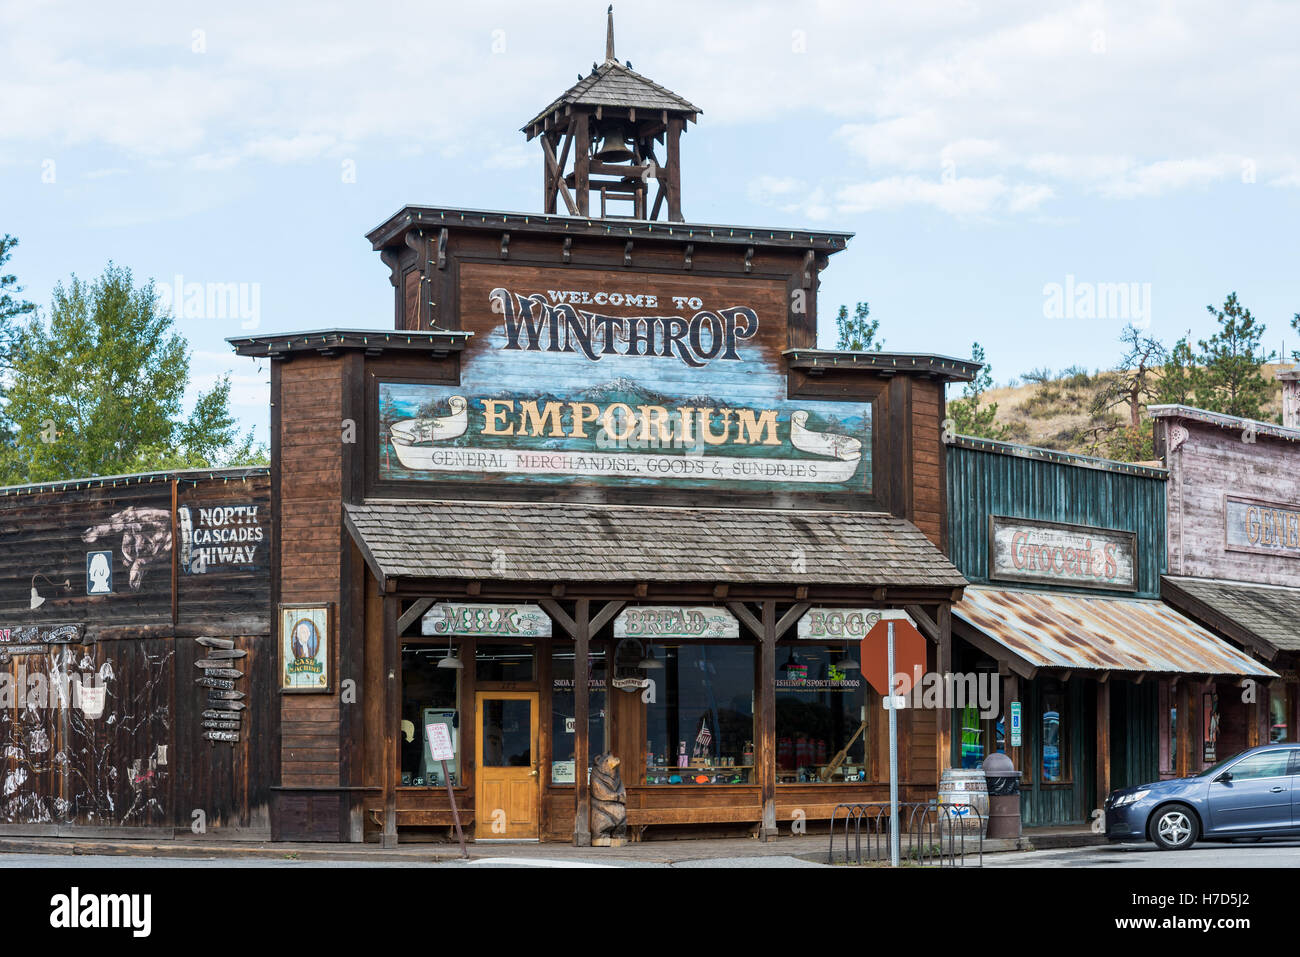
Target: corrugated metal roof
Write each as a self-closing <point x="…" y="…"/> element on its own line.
<point x="1083" y="632"/>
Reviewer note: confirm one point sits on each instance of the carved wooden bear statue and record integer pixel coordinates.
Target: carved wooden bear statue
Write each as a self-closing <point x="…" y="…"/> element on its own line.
<point x="608" y="802"/>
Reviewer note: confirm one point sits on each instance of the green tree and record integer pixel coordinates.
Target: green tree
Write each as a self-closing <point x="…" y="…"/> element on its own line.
<point x="98" y="390"/>
<point x="13" y="308"/>
<point x="858" y="334"/>
<point x="1227" y="377"/>
<point x="968" y="416"/>
<point x="1177" y="382"/>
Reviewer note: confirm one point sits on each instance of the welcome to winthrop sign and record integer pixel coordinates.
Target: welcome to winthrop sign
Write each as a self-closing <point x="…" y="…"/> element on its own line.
<point x="681" y="390"/>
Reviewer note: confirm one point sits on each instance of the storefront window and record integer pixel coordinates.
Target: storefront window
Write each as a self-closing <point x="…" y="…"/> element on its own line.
<point x="1210" y="730"/>
<point x="700" y="719"/>
<point x="494" y="662"/>
<point x="1054" y="729"/>
<point x="430" y="695"/>
<point x="822" y="714"/>
<point x="563" y="711"/>
<point x="972" y="738"/>
<point x="1277" y="713"/>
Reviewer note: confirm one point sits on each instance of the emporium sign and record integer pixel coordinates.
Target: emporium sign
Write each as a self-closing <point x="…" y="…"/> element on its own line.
<point x="684" y="388"/>
<point x="661" y="621"/>
<point x="1267" y="528"/>
<point x="1022" y="549"/>
<point x="486" y="620"/>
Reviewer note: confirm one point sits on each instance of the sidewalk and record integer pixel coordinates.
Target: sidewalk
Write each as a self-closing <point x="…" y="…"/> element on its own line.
<point x="809" y="849"/>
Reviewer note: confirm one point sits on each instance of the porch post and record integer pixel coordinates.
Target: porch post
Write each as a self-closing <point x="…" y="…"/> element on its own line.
<point x="581" y="677"/>
<point x="767" y="721"/>
<point x="1010" y="693"/>
<point x="392" y="719"/>
<point x="1103" y="741"/>
<point x="1256" y="713"/>
<point x="1184" y="690"/>
<point x="943" y="716"/>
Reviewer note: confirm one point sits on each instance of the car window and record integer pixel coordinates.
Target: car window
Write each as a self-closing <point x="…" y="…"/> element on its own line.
<point x="1295" y="762"/>
<point x="1269" y="764"/>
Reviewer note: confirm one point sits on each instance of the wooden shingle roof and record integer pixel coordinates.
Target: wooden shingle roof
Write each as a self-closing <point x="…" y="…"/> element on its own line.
<point x="617" y="86"/>
<point x="553" y="542"/>
<point x="1259" y="616"/>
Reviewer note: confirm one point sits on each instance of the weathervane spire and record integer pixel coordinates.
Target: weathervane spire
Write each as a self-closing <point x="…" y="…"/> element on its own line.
<point x="609" y="36"/>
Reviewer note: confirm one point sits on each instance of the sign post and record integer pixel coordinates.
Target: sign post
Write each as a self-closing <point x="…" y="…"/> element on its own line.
<point x="441" y="750"/>
<point x="1015" y="724"/>
<point x="893" y="762"/>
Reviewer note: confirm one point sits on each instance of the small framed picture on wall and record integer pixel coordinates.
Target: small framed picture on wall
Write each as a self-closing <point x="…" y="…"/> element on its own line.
<point x="305" y="636"/>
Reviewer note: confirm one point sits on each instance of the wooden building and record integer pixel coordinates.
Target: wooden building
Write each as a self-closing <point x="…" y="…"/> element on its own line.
<point x="135" y="657"/>
<point x="1065" y="554"/>
<point x="597" y="492"/>
<point x="1234" y="566"/>
<point x="614" y="460"/>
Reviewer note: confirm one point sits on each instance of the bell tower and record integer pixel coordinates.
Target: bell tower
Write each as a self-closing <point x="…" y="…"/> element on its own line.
<point x="599" y="143"/>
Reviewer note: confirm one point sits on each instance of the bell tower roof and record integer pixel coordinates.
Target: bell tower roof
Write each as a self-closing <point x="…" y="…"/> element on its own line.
<point x="599" y="141"/>
<point x="614" y="85"/>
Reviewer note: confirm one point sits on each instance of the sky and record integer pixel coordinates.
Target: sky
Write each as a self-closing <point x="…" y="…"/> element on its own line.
<point x="1002" y="165"/>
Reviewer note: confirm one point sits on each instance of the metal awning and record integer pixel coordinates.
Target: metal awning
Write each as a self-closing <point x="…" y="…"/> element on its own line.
<point x="1260" y="617"/>
<point x="1031" y="630"/>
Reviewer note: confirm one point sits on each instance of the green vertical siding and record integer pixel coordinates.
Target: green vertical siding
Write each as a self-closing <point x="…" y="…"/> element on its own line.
<point x="982" y="483"/>
<point x="988" y="482"/>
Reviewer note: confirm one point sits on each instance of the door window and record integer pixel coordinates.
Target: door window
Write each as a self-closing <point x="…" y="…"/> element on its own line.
<point x="1270" y="764"/>
<point x="507" y="733"/>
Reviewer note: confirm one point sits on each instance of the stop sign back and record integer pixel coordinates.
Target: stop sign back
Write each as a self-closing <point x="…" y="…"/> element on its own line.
<point x="909" y="654"/>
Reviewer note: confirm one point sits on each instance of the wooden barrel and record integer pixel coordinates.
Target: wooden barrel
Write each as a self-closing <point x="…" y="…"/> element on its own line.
<point x="964" y="799"/>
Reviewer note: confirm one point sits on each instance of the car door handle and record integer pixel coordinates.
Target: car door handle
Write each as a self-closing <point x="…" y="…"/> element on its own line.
<point x="1276" y="789"/>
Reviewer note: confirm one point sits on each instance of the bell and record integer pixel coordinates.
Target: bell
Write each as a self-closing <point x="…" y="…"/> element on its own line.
<point x="613" y="146"/>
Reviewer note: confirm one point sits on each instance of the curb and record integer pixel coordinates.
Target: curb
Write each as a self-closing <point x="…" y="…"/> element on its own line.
<point x="75" y="848"/>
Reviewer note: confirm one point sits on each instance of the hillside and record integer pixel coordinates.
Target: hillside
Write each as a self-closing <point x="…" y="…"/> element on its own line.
<point x="1055" y="414"/>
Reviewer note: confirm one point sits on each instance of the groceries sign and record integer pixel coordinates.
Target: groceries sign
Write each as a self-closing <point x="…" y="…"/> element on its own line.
<point x="1052" y="553"/>
<point x="657" y="381"/>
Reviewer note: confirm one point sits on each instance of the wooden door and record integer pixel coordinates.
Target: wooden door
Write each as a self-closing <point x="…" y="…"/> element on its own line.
<point x="507" y="795"/>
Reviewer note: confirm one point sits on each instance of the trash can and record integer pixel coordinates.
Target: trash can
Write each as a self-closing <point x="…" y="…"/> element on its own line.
<point x="1004" y="796"/>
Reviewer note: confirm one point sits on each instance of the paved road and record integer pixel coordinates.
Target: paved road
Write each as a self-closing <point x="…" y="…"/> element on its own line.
<point x="1266" y="854"/>
<point x="1263" y="854"/>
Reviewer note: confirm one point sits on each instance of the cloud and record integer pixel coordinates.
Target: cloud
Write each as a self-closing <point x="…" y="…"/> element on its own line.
<point x="962" y="197"/>
<point x="959" y="107"/>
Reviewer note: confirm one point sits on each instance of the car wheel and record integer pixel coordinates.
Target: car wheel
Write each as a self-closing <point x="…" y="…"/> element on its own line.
<point x="1174" y="828"/>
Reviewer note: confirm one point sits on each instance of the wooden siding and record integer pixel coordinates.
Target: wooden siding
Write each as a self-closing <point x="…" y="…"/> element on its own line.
<point x="143" y="763"/>
<point x="981" y="484"/>
<point x="1210" y="464"/>
<point x="927" y="456"/>
<point x="310" y="536"/>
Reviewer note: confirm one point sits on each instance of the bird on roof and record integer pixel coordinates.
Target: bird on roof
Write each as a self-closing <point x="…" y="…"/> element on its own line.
<point x="628" y="64"/>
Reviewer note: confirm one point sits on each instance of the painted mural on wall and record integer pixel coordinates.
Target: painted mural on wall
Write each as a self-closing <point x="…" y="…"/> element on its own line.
<point x="593" y="386"/>
<point x="82" y="745"/>
<point x="145" y="539"/>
